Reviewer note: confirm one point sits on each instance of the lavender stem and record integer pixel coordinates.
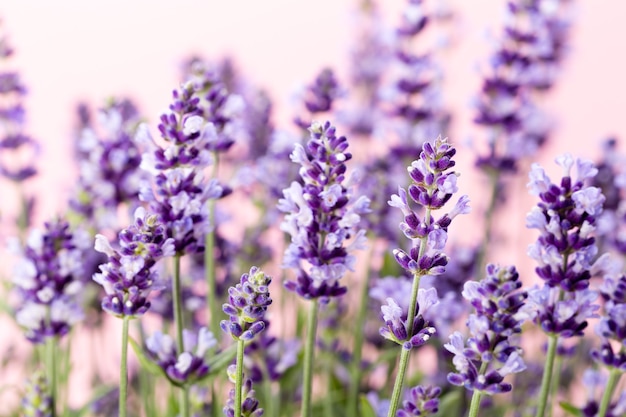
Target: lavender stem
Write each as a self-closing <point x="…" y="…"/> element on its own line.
<point x="239" y="377"/>
<point x="51" y="364"/>
<point x="178" y="318"/>
<point x="124" y="368"/>
<point x="614" y="377"/>
<point x="309" y="349"/>
<point x="547" y="376"/>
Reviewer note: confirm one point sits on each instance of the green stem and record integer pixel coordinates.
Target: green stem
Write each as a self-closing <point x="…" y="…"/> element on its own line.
<point x="239" y="377"/>
<point x="547" y="376"/>
<point x="309" y="349"/>
<point x="124" y="368"/>
<point x="481" y="257"/>
<point x="209" y="262"/>
<point x="404" y="354"/>
<point x="178" y="318"/>
<point x="556" y="378"/>
<point x="355" y="374"/>
<point x="51" y="365"/>
<point x="614" y="376"/>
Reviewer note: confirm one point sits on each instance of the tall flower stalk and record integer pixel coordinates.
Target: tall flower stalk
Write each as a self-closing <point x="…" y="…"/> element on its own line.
<point x="128" y="277"/>
<point x="566" y="218"/>
<point x="321" y="217"/>
<point x="433" y="185"/>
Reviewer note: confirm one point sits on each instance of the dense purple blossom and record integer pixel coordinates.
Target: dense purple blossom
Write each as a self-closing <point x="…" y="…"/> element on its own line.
<point x="249" y="404"/>
<point x="612" y="325"/>
<point x="109" y="161"/>
<point x="247" y="304"/>
<point x="526" y="61"/>
<point x="319" y="97"/>
<point x="182" y="368"/>
<point x="566" y="249"/>
<point x="421" y="402"/>
<point x="493" y="328"/>
<point x="49" y="279"/>
<point x="128" y="277"/>
<point x="321" y="216"/>
<point x="395" y="319"/>
<point x="181" y="194"/>
<point x="432" y="187"/>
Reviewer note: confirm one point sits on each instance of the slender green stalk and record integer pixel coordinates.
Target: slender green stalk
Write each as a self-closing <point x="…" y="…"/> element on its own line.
<point x="614" y="376"/>
<point x="556" y="378"/>
<point x="547" y="376"/>
<point x="51" y="365"/>
<point x="309" y="349"/>
<point x="405" y="353"/>
<point x="239" y="377"/>
<point x="124" y="368"/>
<point x="178" y="318"/>
<point x="355" y="371"/>
<point x="481" y="257"/>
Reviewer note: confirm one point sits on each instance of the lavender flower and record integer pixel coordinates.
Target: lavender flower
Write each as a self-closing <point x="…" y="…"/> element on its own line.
<point x="594" y="382"/>
<point x="128" y="276"/>
<point x="322" y="216"/>
<point x="432" y="187"/>
<point x="248" y="302"/>
<point x="109" y="164"/>
<point x="37" y="401"/>
<point x="181" y="195"/>
<point x="249" y="406"/>
<point x="565" y="250"/>
<point x="492" y="329"/>
<point x="396" y="323"/>
<point x="319" y="96"/>
<point x="422" y="401"/>
<point x="49" y="279"/>
<point x="182" y="368"/>
<point x="612" y="325"/>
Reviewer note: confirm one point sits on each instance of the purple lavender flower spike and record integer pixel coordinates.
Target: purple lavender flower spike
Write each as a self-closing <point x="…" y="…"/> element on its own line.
<point x="395" y="319"/>
<point x="109" y="161"/>
<point x="421" y="402"/>
<point x="612" y="324"/>
<point x="595" y="382"/>
<point x="566" y="249"/>
<point x="319" y="96"/>
<point x="128" y="276"/>
<point x="493" y="330"/>
<point x="48" y="279"/>
<point x="182" y="368"/>
<point x="321" y="216"/>
<point x="180" y="196"/>
<point x="249" y="406"/>
<point x="431" y="188"/>
<point x="248" y="302"/>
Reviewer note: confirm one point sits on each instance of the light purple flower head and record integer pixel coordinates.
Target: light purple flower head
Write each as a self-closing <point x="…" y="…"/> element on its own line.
<point x="322" y="217"/>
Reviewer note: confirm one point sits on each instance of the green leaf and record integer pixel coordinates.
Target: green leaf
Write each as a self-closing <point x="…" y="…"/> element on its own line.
<point x="570" y="409"/>
<point x="390" y="266"/>
<point x="366" y="408"/>
<point x="450" y="403"/>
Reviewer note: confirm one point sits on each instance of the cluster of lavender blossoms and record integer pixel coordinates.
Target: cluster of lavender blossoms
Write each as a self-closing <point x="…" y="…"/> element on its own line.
<point x="492" y="351"/>
<point x="181" y="195"/>
<point x="182" y="368"/>
<point x="37" y="401"/>
<point x="612" y="325"/>
<point x="248" y="302"/>
<point x="321" y="216"/>
<point x="566" y="250"/>
<point x="49" y="280"/>
<point x="109" y="163"/>
<point x="128" y="276"/>
<point x="421" y="402"/>
<point x="432" y="187"/>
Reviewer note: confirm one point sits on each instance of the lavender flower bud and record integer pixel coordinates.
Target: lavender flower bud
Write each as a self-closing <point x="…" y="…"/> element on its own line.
<point x="422" y="401"/>
<point x="249" y="405"/>
<point x="37" y="401"/>
<point x="248" y="302"/>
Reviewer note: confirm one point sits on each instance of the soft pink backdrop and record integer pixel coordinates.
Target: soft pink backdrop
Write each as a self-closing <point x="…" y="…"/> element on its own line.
<point x="88" y="50"/>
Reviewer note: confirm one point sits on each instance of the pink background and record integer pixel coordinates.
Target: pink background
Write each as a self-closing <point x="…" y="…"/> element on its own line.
<point x="89" y="50"/>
